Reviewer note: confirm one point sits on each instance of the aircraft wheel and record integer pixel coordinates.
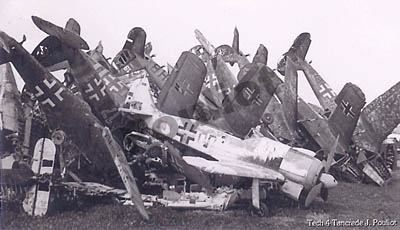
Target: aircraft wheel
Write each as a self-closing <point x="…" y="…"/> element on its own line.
<point x="262" y="212"/>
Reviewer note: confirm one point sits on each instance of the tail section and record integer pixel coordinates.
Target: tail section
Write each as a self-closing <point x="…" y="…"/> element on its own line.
<point x="181" y="91"/>
<point x="225" y="77"/>
<point x="324" y="93"/>
<point x="378" y="119"/>
<point x="344" y="118"/>
<point x="235" y="43"/>
<point x="136" y="41"/>
<point x="50" y="55"/>
<point x="67" y="36"/>
<point x="297" y="51"/>
<point x="73" y="26"/>
<point x="233" y="54"/>
<point x="250" y="99"/>
<point x="261" y="55"/>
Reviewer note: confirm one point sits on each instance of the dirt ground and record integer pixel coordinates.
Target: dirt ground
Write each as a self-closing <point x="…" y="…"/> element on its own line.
<point x="348" y="204"/>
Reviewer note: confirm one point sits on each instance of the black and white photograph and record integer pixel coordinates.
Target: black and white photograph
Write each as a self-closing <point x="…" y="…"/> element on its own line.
<point x="177" y="114"/>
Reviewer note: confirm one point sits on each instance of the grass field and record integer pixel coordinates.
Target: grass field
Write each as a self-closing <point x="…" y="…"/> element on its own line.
<point x="348" y="202"/>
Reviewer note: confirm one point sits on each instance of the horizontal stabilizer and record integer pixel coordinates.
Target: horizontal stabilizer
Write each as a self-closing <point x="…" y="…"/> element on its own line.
<point x="66" y="36"/>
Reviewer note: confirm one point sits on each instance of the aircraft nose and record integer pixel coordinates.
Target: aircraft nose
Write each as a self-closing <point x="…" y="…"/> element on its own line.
<point x="328" y="180"/>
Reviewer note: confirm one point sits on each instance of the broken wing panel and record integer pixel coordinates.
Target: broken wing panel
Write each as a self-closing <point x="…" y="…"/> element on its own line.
<point x="241" y="169"/>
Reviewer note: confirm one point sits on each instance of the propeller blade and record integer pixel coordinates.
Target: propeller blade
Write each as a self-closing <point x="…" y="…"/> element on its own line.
<point x="312" y="194"/>
<point x="331" y="154"/>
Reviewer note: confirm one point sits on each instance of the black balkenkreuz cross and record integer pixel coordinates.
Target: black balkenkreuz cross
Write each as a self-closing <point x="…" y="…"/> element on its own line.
<point x="183" y="87"/>
<point x="48" y="92"/>
<point x="95" y="89"/>
<point x="347" y="109"/>
<point x="111" y="82"/>
<point x="187" y="132"/>
<point x="249" y="94"/>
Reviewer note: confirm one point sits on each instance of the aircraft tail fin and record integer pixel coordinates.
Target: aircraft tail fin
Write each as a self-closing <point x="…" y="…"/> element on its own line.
<point x="50" y="55"/>
<point x="261" y="55"/>
<point x="344" y="118"/>
<point x="68" y="35"/>
<point x="250" y="99"/>
<point x="297" y="51"/>
<point x="324" y="93"/>
<point x="181" y="91"/>
<point x="378" y="119"/>
<point x="235" y="42"/>
<point x="136" y="41"/>
<point x="73" y="25"/>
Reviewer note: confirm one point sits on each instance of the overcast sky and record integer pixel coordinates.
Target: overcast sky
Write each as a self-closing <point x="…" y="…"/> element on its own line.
<point x="357" y="41"/>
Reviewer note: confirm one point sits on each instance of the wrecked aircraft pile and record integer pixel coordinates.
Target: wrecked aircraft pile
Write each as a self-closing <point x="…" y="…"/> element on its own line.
<point x="195" y="136"/>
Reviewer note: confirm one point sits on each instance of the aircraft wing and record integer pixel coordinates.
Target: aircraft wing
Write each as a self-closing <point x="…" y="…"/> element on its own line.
<point x="241" y="169"/>
<point x="181" y="91"/>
